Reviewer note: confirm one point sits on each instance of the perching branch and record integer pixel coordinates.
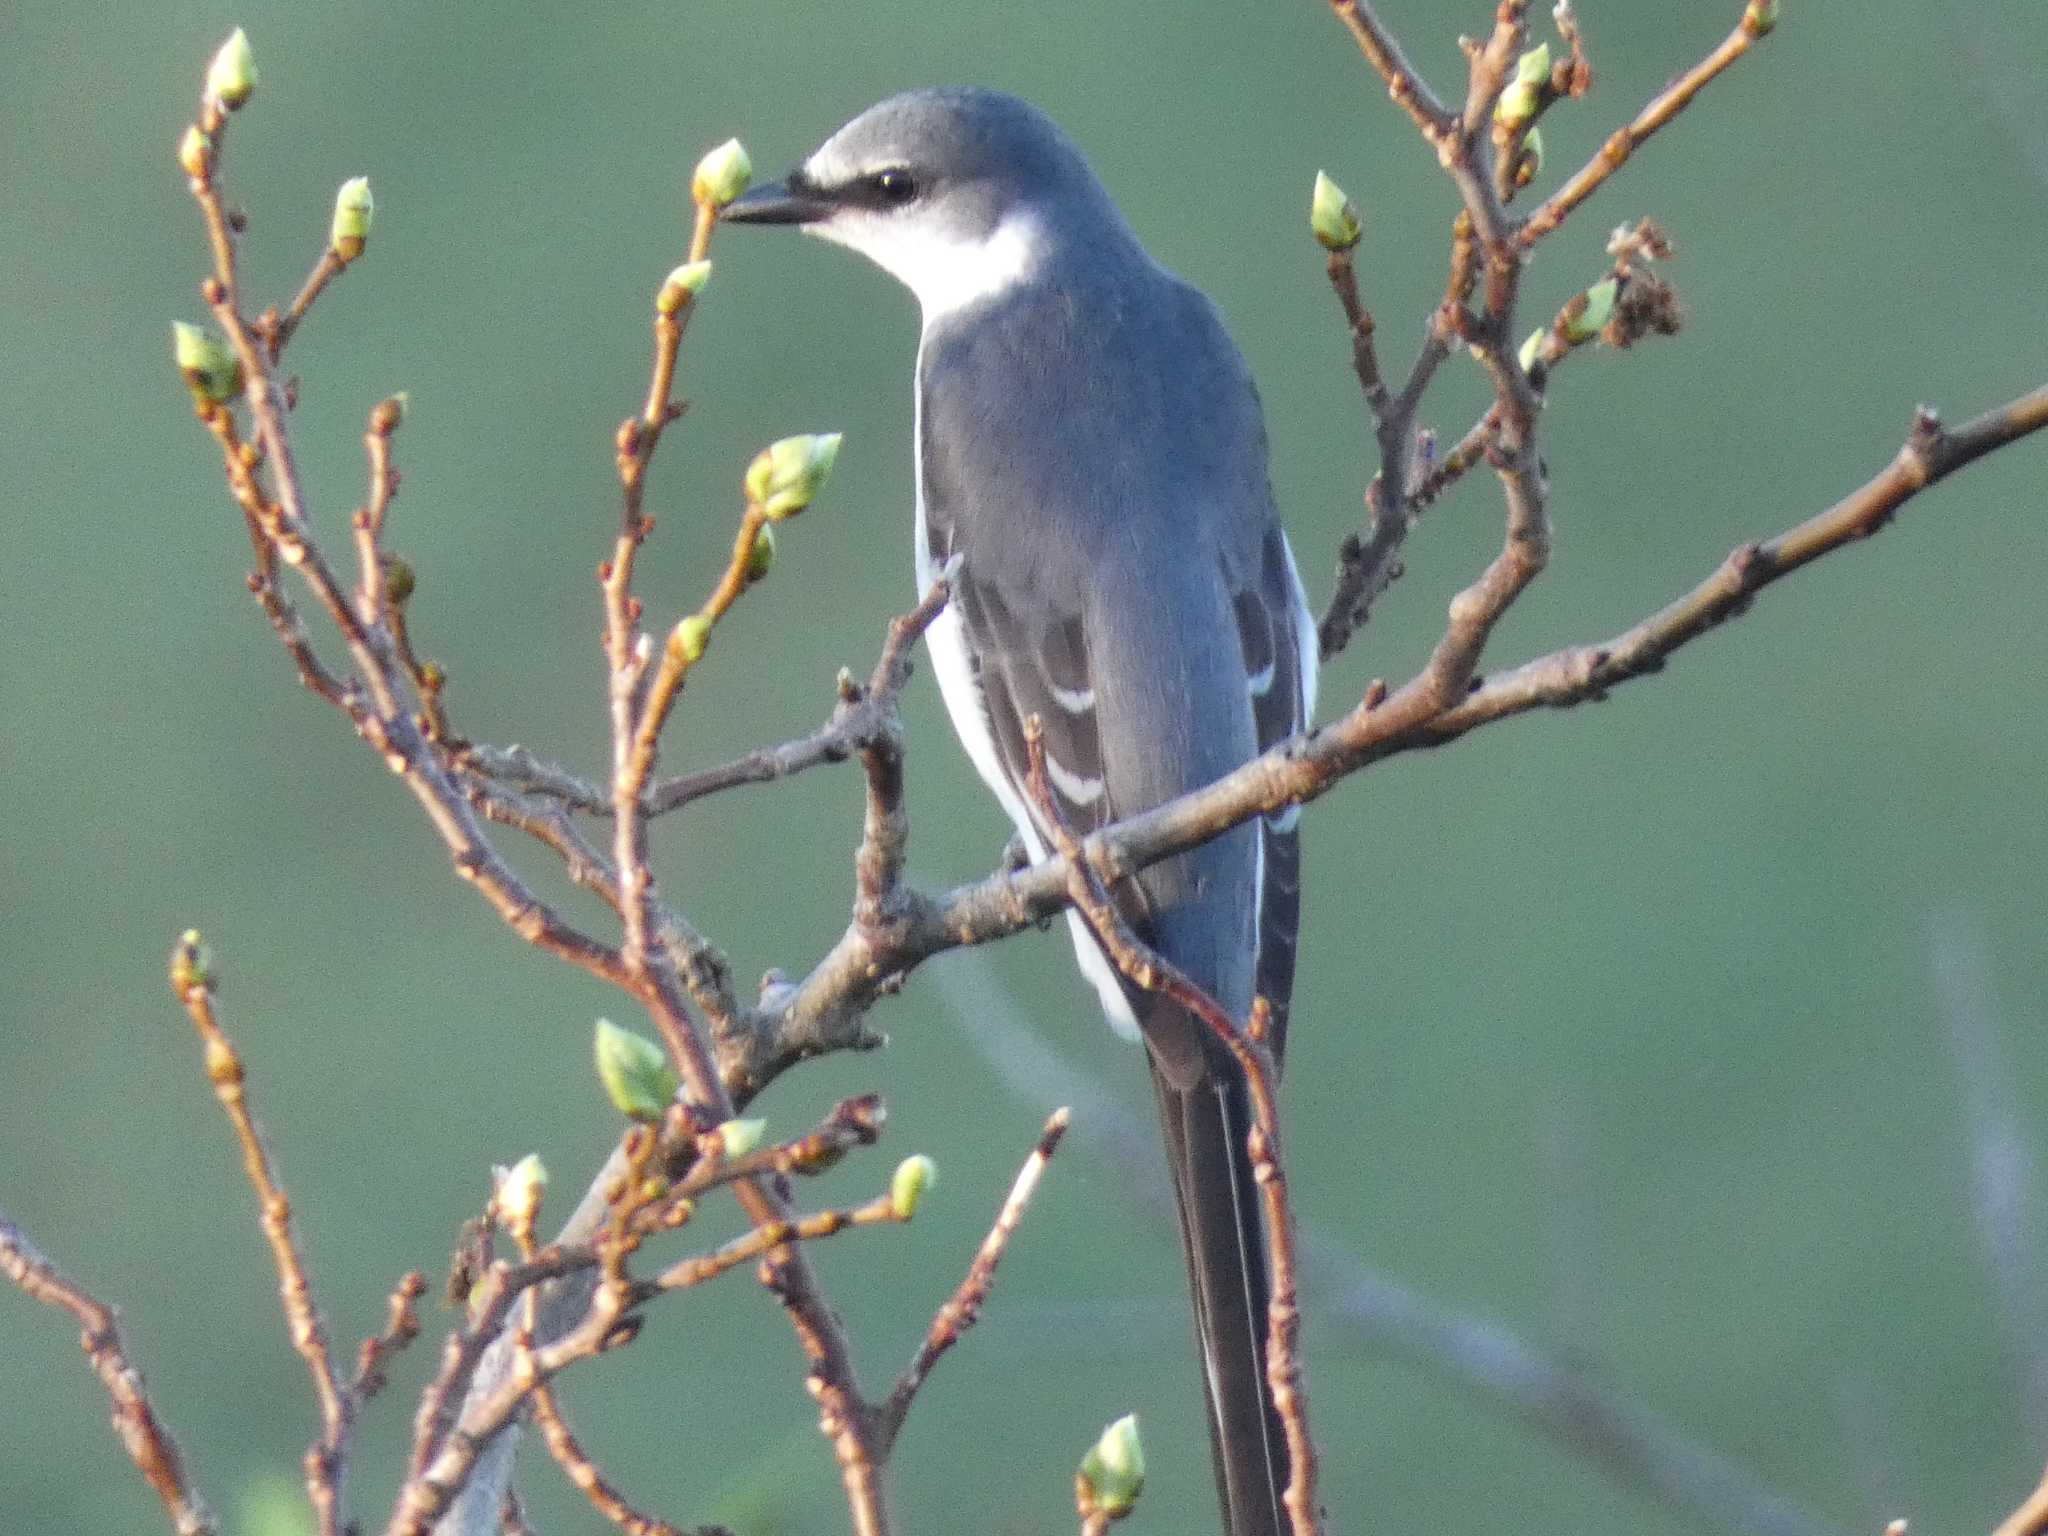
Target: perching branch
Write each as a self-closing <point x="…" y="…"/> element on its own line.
<point x="1433" y="709"/>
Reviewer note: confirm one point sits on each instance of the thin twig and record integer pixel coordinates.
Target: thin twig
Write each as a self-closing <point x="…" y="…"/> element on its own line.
<point x="768" y="1237"/>
<point x="279" y="521"/>
<point x="1343" y="273"/>
<point x="1405" y="85"/>
<point x="401" y="1327"/>
<point x="1579" y="673"/>
<point x="962" y="1309"/>
<point x="327" y="1460"/>
<point x="579" y="1274"/>
<point x="141" y="1433"/>
<point x="368" y="522"/>
<point x="582" y="1471"/>
<point x="330" y="266"/>
<point x="491" y="1409"/>
<point x="1661" y="108"/>
<point x="489" y="1306"/>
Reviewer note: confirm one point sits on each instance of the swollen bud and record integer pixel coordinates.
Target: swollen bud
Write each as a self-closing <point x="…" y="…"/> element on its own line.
<point x="722" y="175"/>
<point x="1591" y="316"/>
<point x="208" y="363"/>
<point x="399" y="580"/>
<point x="1762" y="16"/>
<point x="912" y="1178"/>
<point x="1523" y="97"/>
<point x="686" y="642"/>
<point x="1530" y="160"/>
<point x="1331" y="217"/>
<point x="682" y="285"/>
<point x="636" y="1075"/>
<point x="761" y="558"/>
<point x="231" y="77"/>
<point x="517" y="1200"/>
<point x="786" y="475"/>
<point x="1113" y="1472"/>
<point x="736" y="1138"/>
<point x="191" y="962"/>
<point x="1531" y="348"/>
<point x="195" y="153"/>
<point x="354" y="209"/>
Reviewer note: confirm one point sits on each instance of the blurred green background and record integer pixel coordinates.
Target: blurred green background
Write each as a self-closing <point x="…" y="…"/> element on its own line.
<point x="1624" y="1029"/>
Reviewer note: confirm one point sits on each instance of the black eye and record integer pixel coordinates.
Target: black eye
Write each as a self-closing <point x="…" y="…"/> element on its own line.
<point x="893" y="187"/>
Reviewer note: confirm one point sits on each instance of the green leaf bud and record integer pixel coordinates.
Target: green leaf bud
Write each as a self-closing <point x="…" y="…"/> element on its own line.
<point x="722" y="175"/>
<point x="682" y="285"/>
<point x="1331" y="217"/>
<point x="785" y="476"/>
<point x="354" y="211"/>
<point x="195" y="153"/>
<point x="761" y="559"/>
<point x="913" y="1176"/>
<point x="636" y="1075"/>
<point x="231" y="77"/>
<point x="1113" y="1471"/>
<point x="687" y="641"/>
<point x="736" y="1138"/>
<point x="399" y="580"/>
<point x="1582" y="322"/>
<point x="191" y="962"/>
<point x="208" y="363"/>
<point x="1532" y="348"/>
<point x="517" y="1200"/>
<point x="1523" y="97"/>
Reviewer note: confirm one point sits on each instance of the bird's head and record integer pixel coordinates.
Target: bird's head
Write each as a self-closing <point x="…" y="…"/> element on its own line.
<point x="956" y="192"/>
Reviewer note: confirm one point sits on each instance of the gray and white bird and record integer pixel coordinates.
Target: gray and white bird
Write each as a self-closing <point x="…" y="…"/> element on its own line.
<point x="1090" y="449"/>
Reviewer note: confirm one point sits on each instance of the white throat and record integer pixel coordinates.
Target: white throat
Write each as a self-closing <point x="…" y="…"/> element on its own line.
<point x="946" y="274"/>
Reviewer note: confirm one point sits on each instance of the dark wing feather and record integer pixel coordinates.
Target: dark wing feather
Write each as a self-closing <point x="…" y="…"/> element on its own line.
<point x="1270" y="629"/>
<point x="1035" y="662"/>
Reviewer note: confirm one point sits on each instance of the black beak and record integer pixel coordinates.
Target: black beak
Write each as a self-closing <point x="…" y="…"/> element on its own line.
<point x="788" y="201"/>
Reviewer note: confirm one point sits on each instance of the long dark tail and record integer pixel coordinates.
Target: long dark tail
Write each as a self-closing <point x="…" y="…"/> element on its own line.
<point x="1221" y="1229"/>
